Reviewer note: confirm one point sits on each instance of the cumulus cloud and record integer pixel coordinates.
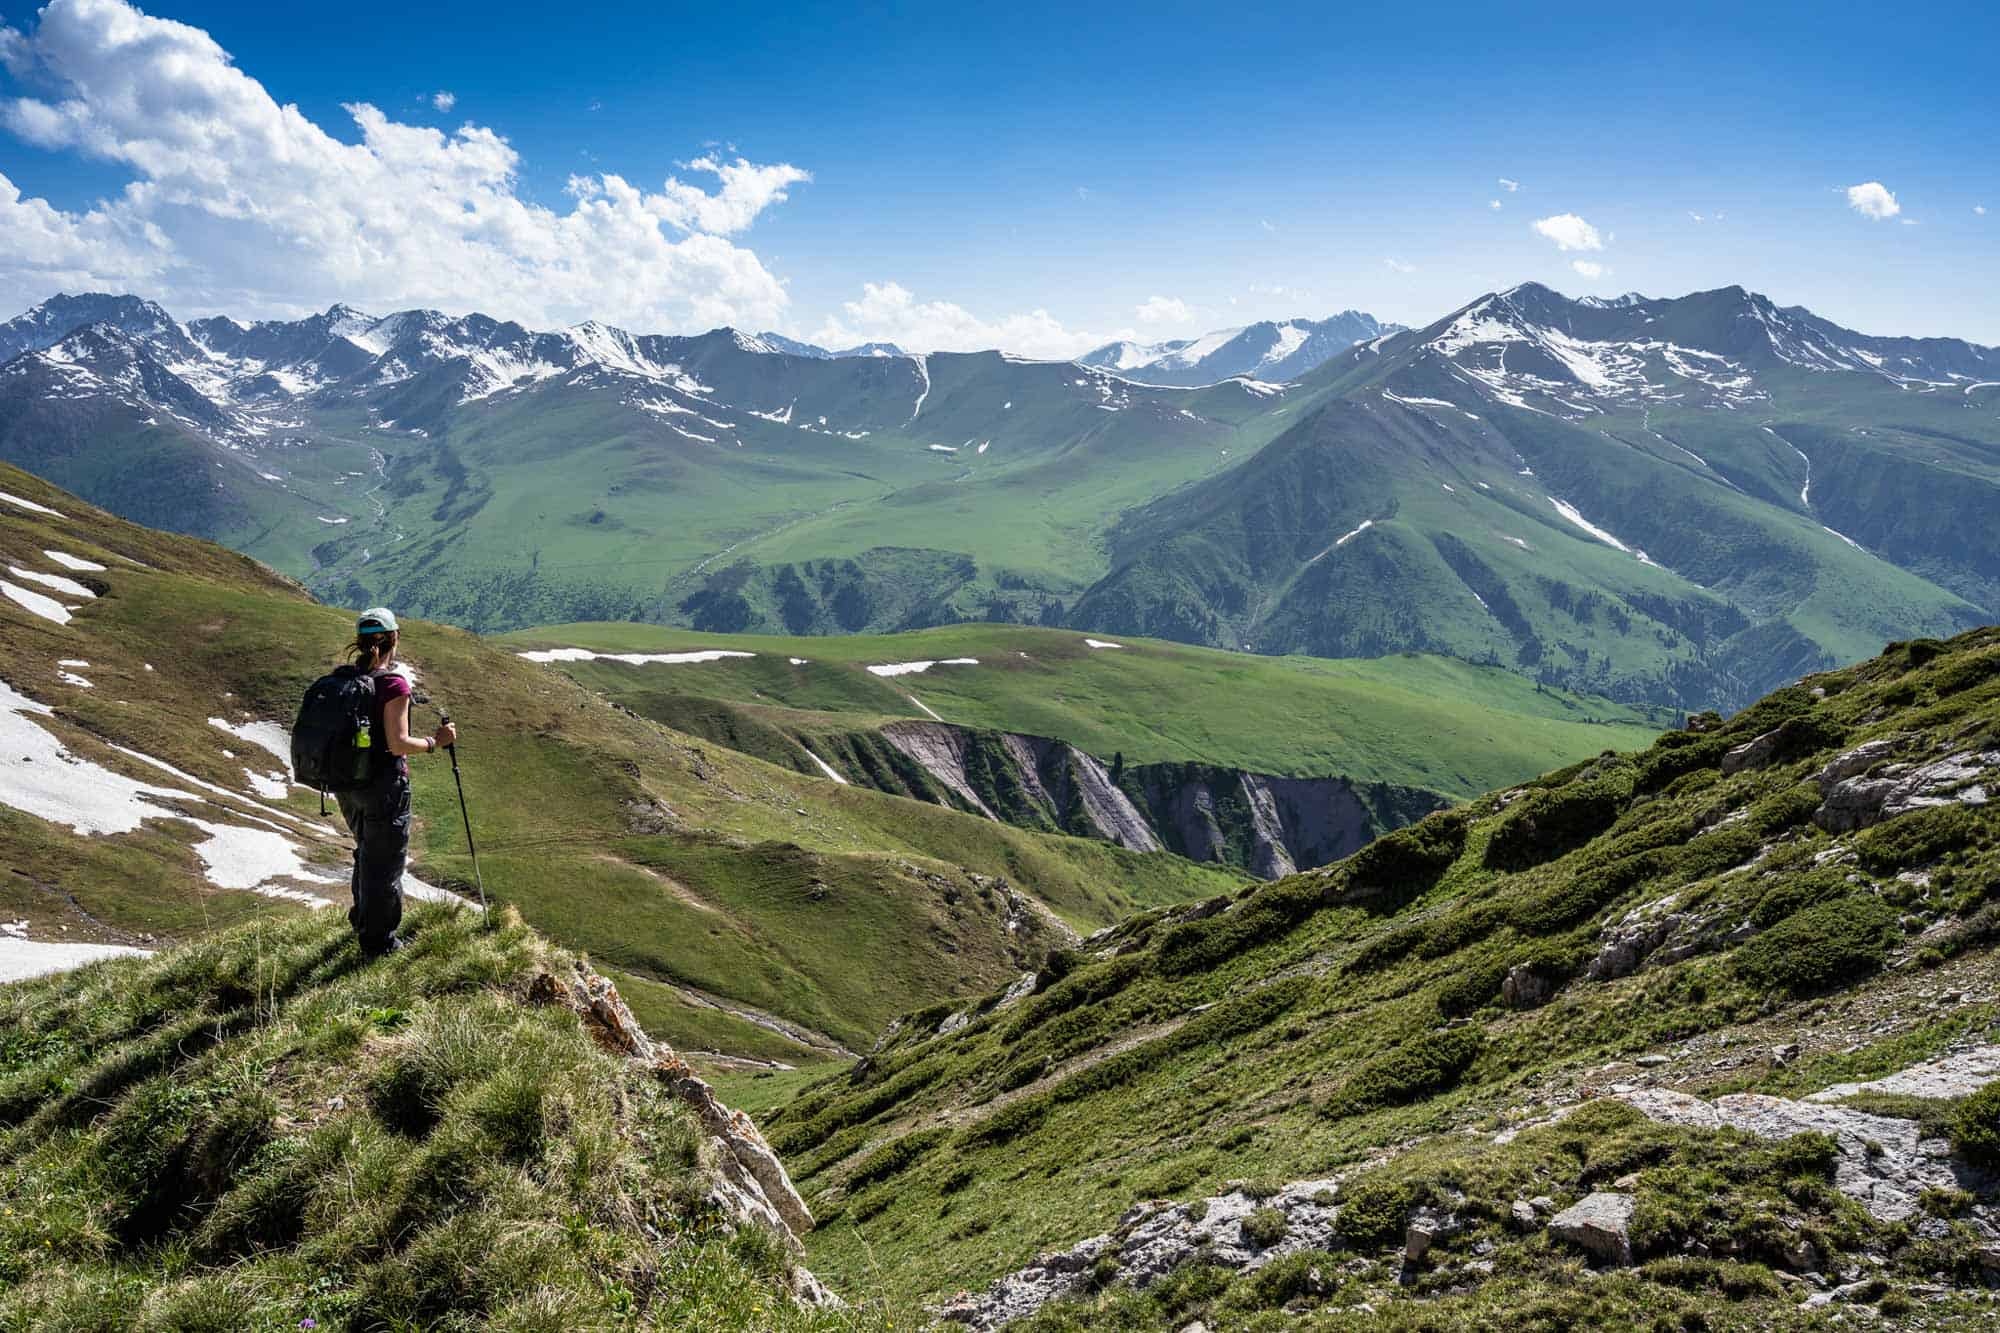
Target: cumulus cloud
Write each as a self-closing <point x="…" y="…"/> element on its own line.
<point x="1697" y="217"/>
<point x="1569" y="232"/>
<point x="1979" y="210"/>
<point x="240" y="203"/>
<point x="1589" y="268"/>
<point x="1398" y="266"/>
<point x="444" y="101"/>
<point x="1872" y="199"/>
<point x="1509" y="186"/>
<point x="1163" y="310"/>
<point x="890" y="312"/>
<point x="1493" y="204"/>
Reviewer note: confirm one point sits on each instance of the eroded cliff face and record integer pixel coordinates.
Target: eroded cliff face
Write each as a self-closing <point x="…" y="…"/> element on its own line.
<point x="1269" y="826"/>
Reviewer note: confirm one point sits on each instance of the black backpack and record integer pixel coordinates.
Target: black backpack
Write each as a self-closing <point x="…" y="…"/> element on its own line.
<point x="332" y="748"/>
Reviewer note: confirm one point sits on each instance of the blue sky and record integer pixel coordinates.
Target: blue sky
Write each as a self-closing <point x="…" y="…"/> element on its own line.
<point x="1029" y="177"/>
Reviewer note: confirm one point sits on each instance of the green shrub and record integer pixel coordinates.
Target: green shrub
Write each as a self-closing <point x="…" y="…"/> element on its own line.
<point x="1546" y="824"/>
<point x="1921" y="836"/>
<point x="1405" y="863"/>
<point x="1267" y="914"/>
<point x="1291" y="1278"/>
<point x="1264" y="1228"/>
<point x="1966" y="671"/>
<point x="1795" y="892"/>
<point x="1470" y="986"/>
<point x="1975" y="1130"/>
<point x="1822" y="947"/>
<point x="1375" y="1208"/>
<point x="1678" y="754"/>
<point x="1420" y="1066"/>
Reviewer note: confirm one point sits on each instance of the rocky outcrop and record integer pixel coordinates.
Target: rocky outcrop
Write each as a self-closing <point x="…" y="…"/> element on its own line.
<point x="1600" y="1223"/>
<point x="751" y="1185"/>
<point x="1150" y="1241"/>
<point x="1958" y="1075"/>
<point x="1885" y="1164"/>
<point x="1269" y="826"/>
<point x="1860" y="788"/>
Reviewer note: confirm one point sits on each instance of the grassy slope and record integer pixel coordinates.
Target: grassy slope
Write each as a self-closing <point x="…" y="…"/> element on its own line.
<point x="602" y="827"/>
<point x="260" y="1130"/>
<point x="1419" y="721"/>
<point x="1327" y="1017"/>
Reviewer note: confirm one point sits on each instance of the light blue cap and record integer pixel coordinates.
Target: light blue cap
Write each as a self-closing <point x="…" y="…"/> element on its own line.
<point x="376" y="620"/>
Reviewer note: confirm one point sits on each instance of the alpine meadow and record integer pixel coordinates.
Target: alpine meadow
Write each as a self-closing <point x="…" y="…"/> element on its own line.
<point x="1022" y="670"/>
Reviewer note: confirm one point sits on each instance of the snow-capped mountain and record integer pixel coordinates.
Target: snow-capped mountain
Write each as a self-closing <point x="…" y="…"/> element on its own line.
<point x="1531" y="347"/>
<point x="1269" y="351"/>
<point x="60" y="315"/>
<point x="778" y="342"/>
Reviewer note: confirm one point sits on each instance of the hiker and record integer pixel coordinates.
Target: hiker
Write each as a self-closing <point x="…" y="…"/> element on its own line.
<point x="375" y="793"/>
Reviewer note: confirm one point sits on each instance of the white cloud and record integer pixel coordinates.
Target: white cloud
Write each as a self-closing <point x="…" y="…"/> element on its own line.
<point x="1979" y="209"/>
<point x="1872" y="199"/>
<point x="1509" y="186"/>
<point x="1589" y="268"/>
<point x="240" y="203"/>
<point x="747" y="190"/>
<point x="890" y="312"/>
<point x="1398" y="266"/>
<point x="1265" y="223"/>
<point x="1697" y="217"/>
<point x="1163" y="310"/>
<point x="444" y="101"/>
<point x="1569" y="232"/>
<point x="1493" y="204"/>
<point x="1909" y="222"/>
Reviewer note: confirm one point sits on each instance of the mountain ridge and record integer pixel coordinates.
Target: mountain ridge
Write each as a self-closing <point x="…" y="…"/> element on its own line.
<point x="1668" y="500"/>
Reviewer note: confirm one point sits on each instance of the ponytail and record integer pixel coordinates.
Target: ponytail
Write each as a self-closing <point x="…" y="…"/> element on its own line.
<point x="370" y="651"/>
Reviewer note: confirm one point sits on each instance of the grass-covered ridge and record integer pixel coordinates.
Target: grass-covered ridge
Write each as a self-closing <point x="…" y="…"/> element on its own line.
<point x="1411" y="719"/>
<point x="1704" y="901"/>
<point x="700" y="875"/>
<point x="262" y="1130"/>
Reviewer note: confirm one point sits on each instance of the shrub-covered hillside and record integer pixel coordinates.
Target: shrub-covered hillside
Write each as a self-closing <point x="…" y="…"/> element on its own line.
<point x="1804" y="896"/>
<point x="260" y="1130"/>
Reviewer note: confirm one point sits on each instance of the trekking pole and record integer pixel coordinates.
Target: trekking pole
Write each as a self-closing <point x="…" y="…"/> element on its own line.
<point x="485" y="916"/>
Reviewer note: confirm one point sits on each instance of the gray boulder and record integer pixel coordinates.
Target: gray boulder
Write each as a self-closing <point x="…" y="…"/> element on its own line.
<point x="1601" y="1224"/>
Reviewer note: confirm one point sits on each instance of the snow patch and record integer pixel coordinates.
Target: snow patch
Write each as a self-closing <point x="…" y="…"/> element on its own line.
<point x="68" y="587"/>
<point x="1570" y="512"/>
<point x="630" y="659"/>
<point x="75" y="562"/>
<point x="917" y="668"/>
<point x="48" y="608"/>
<point x="825" y="767"/>
<point x="1101" y="643"/>
<point x="266" y="736"/>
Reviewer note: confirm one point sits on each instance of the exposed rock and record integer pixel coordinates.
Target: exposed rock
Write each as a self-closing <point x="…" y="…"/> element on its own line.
<point x="1958" y="1075"/>
<point x="1151" y="1240"/>
<point x="1858" y="760"/>
<point x="1752" y="753"/>
<point x="752" y="1187"/>
<point x="1600" y="1223"/>
<point x="1424" y="1230"/>
<point x="1523" y="1215"/>
<point x="1884" y="1163"/>
<point x="1525" y="987"/>
<point x="1861" y="800"/>
<point x="1626" y="943"/>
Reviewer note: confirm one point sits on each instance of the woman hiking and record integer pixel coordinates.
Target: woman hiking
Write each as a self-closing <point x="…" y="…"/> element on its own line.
<point x="378" y="813"/>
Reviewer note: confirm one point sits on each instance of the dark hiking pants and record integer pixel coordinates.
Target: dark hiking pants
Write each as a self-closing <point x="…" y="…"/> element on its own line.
<point x="379" y="818"/>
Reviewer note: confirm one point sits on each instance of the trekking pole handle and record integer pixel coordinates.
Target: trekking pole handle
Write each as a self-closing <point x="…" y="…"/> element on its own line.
<point x="445" y="718"/>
